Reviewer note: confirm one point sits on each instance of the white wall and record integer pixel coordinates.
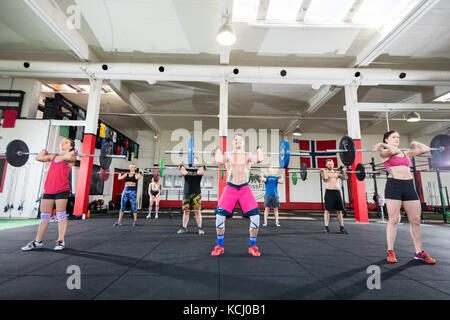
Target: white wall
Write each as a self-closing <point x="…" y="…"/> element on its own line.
<point x="32" y="90"/>
<point x="22" y="183"/>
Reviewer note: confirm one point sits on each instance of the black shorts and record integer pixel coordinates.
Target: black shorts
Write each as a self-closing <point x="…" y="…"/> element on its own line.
<point x="154" y="193"/>
<point x="403" y="190"/>
<point x="57" y="196"/>
<point x="333" y="200"/>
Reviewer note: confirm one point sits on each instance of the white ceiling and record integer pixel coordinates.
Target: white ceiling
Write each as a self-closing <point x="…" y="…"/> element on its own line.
<point x="183" y="31"/>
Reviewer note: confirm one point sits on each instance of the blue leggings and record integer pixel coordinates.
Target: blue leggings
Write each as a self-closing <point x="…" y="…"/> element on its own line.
<point x="129" y="193"/>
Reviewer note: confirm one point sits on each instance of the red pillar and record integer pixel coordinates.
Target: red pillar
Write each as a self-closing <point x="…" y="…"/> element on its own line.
<point x="286" y="181"/>
<point x="84" y="176"/>
<point x="359" y="189"/>
<point x="420" y="191"/>
<point x="222" y="182"/>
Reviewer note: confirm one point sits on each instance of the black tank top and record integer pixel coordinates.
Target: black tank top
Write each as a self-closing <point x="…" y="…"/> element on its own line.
<point x="130" y="179"/>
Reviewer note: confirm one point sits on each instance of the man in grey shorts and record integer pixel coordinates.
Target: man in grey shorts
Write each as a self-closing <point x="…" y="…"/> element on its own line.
<point x="271" y="197"/>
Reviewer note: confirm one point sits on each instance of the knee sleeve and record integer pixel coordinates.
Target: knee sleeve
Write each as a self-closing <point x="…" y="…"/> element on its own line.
<point x="254" y="221"/>
<point x="220" y="221"/>
<point x="61" y="215"/>
<point x="45" y="216"/>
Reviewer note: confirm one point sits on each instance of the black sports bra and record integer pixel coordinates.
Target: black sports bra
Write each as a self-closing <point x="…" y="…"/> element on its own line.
<point x="130" y="179"/>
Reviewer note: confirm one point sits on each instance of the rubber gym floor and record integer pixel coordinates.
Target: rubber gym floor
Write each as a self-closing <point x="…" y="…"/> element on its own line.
<point x="152" y="261"/>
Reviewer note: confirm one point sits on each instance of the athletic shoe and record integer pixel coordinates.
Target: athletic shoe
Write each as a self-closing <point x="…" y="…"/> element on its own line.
<point x="391" y="256"/>
<point x="134" y="224"/>
<point x="59" y="245"/>
<point x="218" y="250"/>
<point x="253" y="250"/>
<point x="277" y="224"/>
<point x="32" y="245"/>
<point x="156" y="216"/>
<point x="265" y="224"/>
<point x="343" y="231"/>
<point x="327" y="230"/>
<point x="182" y="230"/>
<point x="117" y="223"/>
<point x="148" y="216"/>
<point x="201" y="232"/>
<point x="423" y="256"/>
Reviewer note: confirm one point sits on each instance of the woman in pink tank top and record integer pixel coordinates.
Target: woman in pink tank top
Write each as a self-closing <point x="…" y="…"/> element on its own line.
<point x="56" y="192"/>
<point x="400" y="191"/>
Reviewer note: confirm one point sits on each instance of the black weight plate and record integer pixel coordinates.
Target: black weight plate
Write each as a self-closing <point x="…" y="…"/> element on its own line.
<point x="105" y="162"/>
<point x="14" y="151"/>
<point x="361" y="172"/>
<point x="303" y="171"/>
<point x="441" y="158"/>
<point x="347" y="157"/>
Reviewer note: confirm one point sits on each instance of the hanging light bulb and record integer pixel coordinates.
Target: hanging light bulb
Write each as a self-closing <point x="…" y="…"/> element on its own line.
<point x="225" y="35"/>
<point x="413" y="117"/>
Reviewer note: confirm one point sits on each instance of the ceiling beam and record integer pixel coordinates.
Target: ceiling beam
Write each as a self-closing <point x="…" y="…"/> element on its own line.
<point x="353" y="9"/>
<point x="394" y="107"/>
<point x="429" y="130"/>
<point x="56" y="19"/>
<point x="134" y="102"/>
<point x="263" y="7"/>
<point x="416" y="98"/>
<point x="378" y="44"/>
<point x="195" y="115"/>
<point x="217" y="73"/>
<point x="302" y="10"/>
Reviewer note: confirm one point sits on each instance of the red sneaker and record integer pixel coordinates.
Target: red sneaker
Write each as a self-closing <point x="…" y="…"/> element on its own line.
<point x="218" y="250"/>
<point x="425" y="257"/>
<point x="391" y="256"/>
<point x="253" y="250"/>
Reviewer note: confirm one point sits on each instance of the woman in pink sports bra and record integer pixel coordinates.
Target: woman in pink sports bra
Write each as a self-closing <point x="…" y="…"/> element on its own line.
<point x="400" y="191"/>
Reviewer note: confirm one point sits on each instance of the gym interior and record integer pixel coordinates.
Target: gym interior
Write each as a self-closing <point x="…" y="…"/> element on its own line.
<point x="162" y="84"/>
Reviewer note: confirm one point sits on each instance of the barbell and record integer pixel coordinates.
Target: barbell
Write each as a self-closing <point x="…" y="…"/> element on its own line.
<point x="440" y="151"/>
<point x="439" y="148"/>
<point x="17" y="154"/>
<point x="283" y="153"/>
<point x="360" y="171"/>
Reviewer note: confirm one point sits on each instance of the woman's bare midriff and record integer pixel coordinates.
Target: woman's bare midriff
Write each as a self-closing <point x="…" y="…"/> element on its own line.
<point x="400" y="172"/>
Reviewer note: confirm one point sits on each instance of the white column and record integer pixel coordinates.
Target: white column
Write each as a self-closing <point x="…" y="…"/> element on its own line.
<point x="353" y="123"/>
<point x="223" y="113"/>
<point x="93" y="108"/>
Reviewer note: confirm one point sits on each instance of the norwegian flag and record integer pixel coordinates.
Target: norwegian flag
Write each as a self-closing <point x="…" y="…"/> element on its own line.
<point x="317" y="149"/>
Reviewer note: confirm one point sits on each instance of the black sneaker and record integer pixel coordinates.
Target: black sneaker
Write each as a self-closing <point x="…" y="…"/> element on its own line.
<point x="343" y="231"/>
<point x="327" y="230"/>
<point x="182" y="230"/>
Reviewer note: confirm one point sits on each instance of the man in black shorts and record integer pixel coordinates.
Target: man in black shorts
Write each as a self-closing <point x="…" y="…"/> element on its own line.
<point x="333" y="199"/>
<point x="192" y="195"/>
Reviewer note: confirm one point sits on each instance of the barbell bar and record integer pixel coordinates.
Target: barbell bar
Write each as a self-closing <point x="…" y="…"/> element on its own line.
<point x="439" y="148"/>
<point x="17" y="154"/>
<point x="440" y="151"/>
